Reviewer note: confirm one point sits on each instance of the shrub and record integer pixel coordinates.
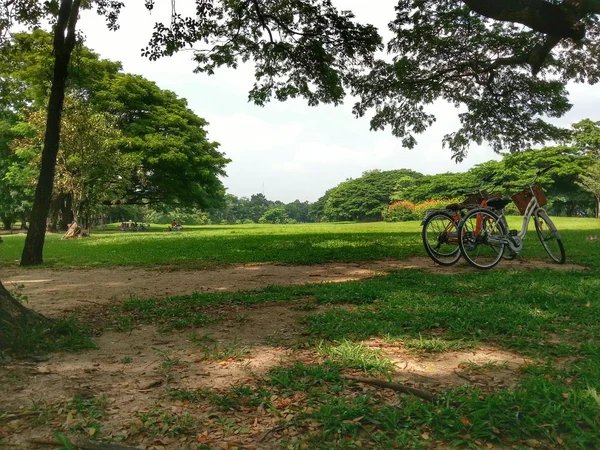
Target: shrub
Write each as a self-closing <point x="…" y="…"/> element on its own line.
<point x="275" y="215"/>
<point x="421" y="208"/>
<point x="399" y="212"/>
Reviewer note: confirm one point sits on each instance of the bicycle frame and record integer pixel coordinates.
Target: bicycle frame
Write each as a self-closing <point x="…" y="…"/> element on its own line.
<point x="515" y="243"/>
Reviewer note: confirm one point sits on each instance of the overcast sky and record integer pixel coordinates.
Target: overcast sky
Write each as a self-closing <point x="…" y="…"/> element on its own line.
<point x="289" y="150"/>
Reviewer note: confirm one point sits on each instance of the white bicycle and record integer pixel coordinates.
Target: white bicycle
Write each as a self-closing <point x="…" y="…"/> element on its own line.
<point x="484" y="236"/>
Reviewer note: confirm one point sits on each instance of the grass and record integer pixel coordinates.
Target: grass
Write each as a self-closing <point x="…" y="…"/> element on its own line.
<point x="543" y="315"/>
<point x="209" y="246"/>
<point x="65" y="334"/>
<point x="356" y="355"/>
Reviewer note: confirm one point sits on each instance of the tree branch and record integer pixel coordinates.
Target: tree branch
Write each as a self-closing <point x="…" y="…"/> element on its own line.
<point x="560" y="20"/>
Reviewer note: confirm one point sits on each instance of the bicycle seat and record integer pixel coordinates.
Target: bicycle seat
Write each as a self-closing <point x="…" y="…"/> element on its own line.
<point x="498" y="203"/>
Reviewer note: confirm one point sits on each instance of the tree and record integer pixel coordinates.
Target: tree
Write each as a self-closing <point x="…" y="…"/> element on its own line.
<point x="366" y="197"/>
<point x="89" y="169"/>
<point x="590" y="181"/>
<point x="173" y="161"/>
<point x="166" y="159"/>
<point x="478" y="55"/>
<point x="586" y="136"/>
<point x="277" y="215"/>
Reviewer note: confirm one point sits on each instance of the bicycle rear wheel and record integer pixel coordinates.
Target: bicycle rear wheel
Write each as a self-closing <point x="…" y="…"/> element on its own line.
<point x="440" y="238"/>
<point x="480" y="235"/>
<point x="549" y="237"/>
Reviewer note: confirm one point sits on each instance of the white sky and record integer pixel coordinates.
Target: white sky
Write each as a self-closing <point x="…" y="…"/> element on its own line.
<point x="289" y="150"/>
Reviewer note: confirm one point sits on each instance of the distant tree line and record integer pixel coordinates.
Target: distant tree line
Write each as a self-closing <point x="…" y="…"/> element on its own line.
<point x="573" y="187"/>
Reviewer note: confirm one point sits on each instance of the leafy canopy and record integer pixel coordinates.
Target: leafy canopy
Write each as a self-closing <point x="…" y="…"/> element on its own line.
<point x="505" y="64"/>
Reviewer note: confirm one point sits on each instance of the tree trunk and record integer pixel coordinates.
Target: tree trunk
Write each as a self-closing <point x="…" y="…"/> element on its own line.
<point x="7" y="223"/>
<point x="15" y="318"/>
<point x="66" y="212"/>
<point x="63" y="47"/>
<point x="53" y="214"/>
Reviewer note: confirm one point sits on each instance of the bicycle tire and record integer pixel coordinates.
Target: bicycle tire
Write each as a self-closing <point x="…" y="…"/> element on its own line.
<point x="452" y="254"/>
<point x="468" y="242"/>
<point x="549" y="233"/>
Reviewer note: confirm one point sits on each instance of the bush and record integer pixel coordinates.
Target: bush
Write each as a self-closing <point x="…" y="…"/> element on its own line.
<point x="399" y="212"/>
<point x="275" y="215"/>
<point x="421" y="208"/>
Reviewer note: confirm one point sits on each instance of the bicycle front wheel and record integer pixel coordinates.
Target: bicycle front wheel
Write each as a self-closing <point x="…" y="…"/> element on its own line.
<point x="440" y="238"/>
<point x="549" y="237"/>
<point x="480" y="238"/>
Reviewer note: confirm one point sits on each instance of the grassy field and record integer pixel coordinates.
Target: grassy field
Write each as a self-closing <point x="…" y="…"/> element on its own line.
<point x="551" y="318"/>
<point x="209" y="246"/>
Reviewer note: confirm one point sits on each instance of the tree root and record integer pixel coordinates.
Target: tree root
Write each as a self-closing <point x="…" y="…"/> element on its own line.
<point x="394" y="386"/>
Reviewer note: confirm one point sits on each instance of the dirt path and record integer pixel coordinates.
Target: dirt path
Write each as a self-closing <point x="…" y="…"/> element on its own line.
<point x="54" y="292"/>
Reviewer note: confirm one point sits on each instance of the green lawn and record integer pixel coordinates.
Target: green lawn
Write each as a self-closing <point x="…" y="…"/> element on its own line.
<point x="208" y="246"/>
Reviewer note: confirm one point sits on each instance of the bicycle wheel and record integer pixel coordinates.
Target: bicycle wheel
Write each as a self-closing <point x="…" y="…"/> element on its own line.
<point x="440" y="238"/>
<point x="480" y="236"/>
<point x="549" y="237"/>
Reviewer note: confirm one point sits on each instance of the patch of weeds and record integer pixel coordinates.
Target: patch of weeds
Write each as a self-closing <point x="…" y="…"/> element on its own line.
<point x="124" y="323"/>
<point x="17" y="293"/>
<point x="83" y="414"/>
<point x="64" y="441"/>
<point x="302" y="377"/>
<point x="305" y="307"/>
<point x="42" y="412"/>
<point x="234" y="399"/>
<point x="67" y="335"/>
<point x="126" y="360"/>
<point x="160" y="422"/>
<point x="470" y="366"/>
<point x="94" y="407"/>
<point x="167" y="361"/>
<point x="215" y="352"/>
<point x="436" y="344"/>
<point x="175" y="313"/>
<point x="201" y="340"/>
<point x="242" y="318"/>
<point x="356" y="355"/>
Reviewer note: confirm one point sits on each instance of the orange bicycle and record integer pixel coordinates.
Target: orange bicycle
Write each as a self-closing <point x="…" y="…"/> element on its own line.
<point x="440" y="232"/>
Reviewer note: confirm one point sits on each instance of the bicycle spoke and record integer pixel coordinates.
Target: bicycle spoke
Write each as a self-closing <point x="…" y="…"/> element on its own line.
<point x="440" y="238"/>
<point x="481" y="239"/>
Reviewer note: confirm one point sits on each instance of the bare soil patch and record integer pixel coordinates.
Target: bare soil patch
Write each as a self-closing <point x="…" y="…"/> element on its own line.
<point x="54" y="292"/>
<point x="134" y="372"/>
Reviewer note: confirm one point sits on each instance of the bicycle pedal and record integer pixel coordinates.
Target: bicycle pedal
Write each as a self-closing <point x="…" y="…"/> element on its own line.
<point x="513" y="232"/>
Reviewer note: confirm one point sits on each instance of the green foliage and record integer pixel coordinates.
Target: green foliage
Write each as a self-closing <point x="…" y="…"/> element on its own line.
<point x="401" y="211"/>
<point x="452" y="51"/>
<point x="364" y="198"/>
<point x="275" y="216"/>
<point x="162" y="155"/>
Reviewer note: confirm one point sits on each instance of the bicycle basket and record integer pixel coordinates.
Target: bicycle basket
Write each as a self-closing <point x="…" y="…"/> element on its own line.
<point x="523" y="198"/>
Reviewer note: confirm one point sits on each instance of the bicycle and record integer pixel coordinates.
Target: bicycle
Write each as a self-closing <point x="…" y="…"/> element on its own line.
<point x="484" y="237"/>
<point x="440" y="227"/>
